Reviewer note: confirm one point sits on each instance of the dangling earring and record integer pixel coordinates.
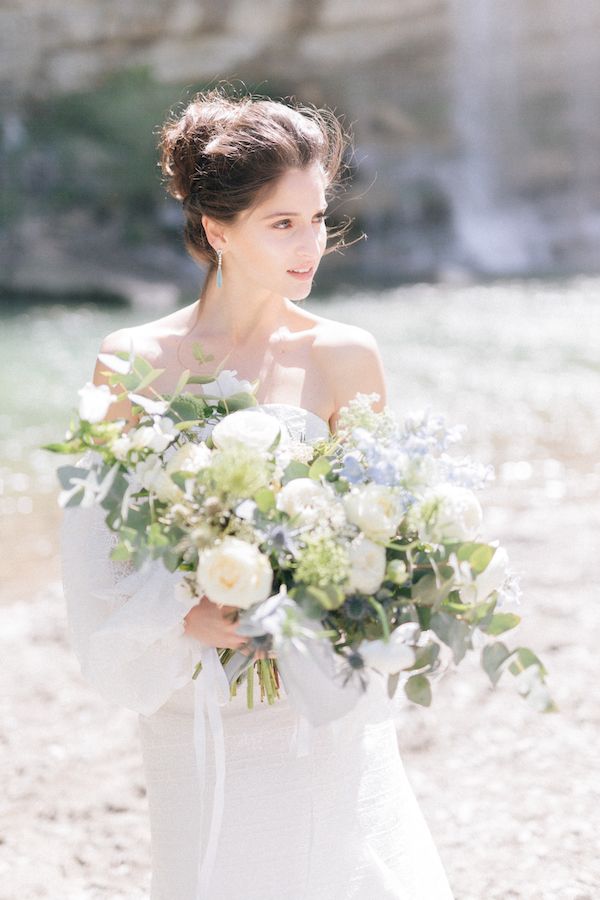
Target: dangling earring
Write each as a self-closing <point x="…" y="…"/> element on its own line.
<point x="220" y="269"/>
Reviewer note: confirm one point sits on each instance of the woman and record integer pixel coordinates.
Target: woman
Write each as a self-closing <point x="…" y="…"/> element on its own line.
<point x="331" y="818"/>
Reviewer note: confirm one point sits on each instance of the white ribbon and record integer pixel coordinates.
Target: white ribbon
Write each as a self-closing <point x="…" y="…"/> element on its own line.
<point x="211" y="691"/>
<point x="308" y="671"/>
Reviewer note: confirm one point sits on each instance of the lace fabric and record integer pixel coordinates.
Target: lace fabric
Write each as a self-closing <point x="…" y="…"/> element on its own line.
<point x="336" y="821"/>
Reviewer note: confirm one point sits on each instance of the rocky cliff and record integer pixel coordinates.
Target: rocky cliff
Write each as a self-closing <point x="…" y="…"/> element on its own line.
<point x="476" y="123"/>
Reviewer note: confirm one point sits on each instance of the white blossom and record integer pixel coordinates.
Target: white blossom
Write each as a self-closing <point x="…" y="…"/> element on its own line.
<point x="95" y="401"/>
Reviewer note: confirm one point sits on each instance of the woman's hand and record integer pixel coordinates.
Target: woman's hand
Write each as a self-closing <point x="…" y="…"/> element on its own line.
<point x="214" y="625"/>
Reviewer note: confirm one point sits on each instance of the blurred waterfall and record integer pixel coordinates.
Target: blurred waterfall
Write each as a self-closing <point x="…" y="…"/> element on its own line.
<point x="495" y="230"/>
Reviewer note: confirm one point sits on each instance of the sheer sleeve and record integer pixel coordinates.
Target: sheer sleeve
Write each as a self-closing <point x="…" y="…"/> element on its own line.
<point x="125" y="626"/>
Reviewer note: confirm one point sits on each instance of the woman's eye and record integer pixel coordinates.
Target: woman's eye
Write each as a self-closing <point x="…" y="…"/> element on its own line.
<point x="320" y="217"/>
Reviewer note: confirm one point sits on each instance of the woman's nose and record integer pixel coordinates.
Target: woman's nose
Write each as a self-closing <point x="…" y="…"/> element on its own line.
<point x="309" y="242"/>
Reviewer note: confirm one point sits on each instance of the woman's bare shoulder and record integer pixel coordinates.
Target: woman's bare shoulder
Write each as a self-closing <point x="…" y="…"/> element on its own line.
<point x="149" y="339"/>
<point x="349" y="359"/>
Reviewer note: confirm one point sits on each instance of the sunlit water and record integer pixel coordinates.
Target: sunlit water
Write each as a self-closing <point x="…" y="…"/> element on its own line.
<point x="517" y="363"/>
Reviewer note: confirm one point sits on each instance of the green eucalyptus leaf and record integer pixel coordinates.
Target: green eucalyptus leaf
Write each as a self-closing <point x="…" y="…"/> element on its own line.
<point x="320" y="466"/>
<point x="452" y="632"/>
<point x="418" y="689"/>
<point x="65" y="473"/>
<point x="425" y="591"/>
<point x="70" y="447"/>
<point x="426" y="656"/>
<point x="122" y="552"/>
<point x="241" y="400"/>
<point x="492" y="658"/>
<point x="481" y="557"/>
<point x="500" y="622"/>
<point x="294" y="469"/>
<point x="524" y="657"/>
<point x="264" y="499"/>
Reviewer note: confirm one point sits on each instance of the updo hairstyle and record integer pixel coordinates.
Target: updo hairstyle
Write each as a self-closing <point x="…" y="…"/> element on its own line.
<point x="222" y="154"/>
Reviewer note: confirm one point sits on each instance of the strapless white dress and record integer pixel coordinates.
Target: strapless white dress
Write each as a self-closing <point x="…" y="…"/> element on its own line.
<point x="331" y="817"/>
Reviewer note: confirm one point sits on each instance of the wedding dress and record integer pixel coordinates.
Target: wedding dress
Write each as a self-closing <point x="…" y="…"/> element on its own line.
<point x="323" y="813"/>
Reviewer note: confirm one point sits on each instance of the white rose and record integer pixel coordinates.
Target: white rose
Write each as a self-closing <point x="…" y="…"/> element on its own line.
<point x="305" y="498"/>
<point x="189" y="458"/>
<point x="247" y="426"/>
<point x="448" y="513"/>
<point x="367" y="565"/>
<point x="95" y="401"/>
<point x="493" y="576"/>
<point x="389" y="657"/>
<point x="376" y="509"/>
<point x="226" y="384"/>
<point x="234" y="573"/>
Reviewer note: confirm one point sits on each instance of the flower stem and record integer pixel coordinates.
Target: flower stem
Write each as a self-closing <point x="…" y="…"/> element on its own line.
<point x="250" y="687"/>
<point x="382" y="617"/>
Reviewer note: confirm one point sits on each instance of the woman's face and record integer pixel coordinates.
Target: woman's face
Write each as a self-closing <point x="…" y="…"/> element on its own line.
<point x="284" y="231"/>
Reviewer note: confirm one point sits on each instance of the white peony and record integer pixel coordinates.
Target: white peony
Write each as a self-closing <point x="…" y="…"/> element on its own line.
<point x="389" y="657"/>
<point x="375" y="509"/>
<point x="367" y="565"/>
<point x="306" y="499"/>
<point x="226" y="384"/>
<point x="235" y="573"/>
<point x="189" y="457"/>
<point x="95" y="401"/>
<point x="448" y="513"/>
<point x="247" y="426"/>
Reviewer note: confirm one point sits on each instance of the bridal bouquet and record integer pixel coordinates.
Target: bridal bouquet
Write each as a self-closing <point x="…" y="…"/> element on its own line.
<point x="364" y="546"/>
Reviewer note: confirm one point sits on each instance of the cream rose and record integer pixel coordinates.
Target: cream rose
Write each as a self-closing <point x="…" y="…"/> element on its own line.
<point x="247" y="426"/>
<point x="448" y="513"/>
<point x="367" y="565"/>
<point x="235" y="573"/>
<point x="305" y="498"/>
<point x="376" y="509"/>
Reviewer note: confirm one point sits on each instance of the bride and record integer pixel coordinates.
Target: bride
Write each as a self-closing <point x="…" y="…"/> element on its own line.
<point x="306" y="813"/>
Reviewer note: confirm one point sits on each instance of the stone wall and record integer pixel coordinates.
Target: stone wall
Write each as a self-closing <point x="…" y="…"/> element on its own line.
<point x="476" y="122"/>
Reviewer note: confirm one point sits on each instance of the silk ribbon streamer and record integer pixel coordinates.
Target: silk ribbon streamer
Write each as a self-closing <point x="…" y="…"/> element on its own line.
<point x="211" y="691"/>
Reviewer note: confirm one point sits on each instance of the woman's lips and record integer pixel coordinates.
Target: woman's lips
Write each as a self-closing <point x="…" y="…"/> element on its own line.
<point x="302" y="276"/>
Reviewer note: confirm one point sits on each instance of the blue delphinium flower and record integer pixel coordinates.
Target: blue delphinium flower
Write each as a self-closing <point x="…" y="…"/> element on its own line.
<point x="352" y="469"/>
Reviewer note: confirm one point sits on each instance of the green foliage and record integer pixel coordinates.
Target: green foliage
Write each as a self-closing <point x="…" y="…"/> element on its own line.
<point x="453" y="632"/>
<point x="103" y="143"/>
<point x="294" y="469"/>
<point x="418" y="689"/>
<point x="321" y="466"/>
<point x="492" y="658"/>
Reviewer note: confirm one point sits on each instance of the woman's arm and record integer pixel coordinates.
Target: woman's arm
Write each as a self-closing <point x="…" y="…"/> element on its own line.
<point x="135" y="635"/>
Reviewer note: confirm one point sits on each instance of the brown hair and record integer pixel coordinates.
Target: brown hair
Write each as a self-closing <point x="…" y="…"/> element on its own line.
<point x="224" y="151"/>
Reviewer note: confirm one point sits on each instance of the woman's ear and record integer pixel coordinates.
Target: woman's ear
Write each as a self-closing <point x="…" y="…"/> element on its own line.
<point x="214" y="233"/>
